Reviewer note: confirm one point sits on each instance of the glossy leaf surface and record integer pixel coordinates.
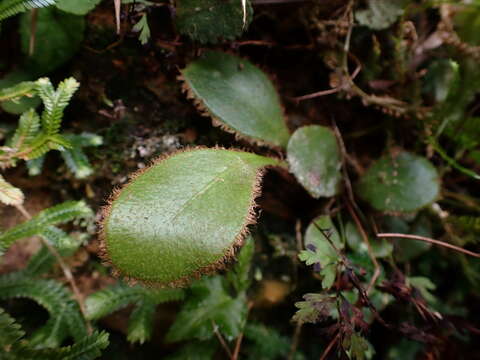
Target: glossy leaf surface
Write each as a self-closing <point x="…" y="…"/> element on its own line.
<point x="239" y="97"/>
<point x="314" y="159"/>
<point x="401" y="182"/>
<point x="181" y="217"/>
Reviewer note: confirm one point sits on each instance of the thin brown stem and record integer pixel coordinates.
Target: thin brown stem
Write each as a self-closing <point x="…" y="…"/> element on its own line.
<point x="65" y="268"/>
<point x="238" y="343"/>
<point x="364" y="235"/>
<point x="429" y="240"/>
<point x="33" y="32"/>
<point x="329" y="347"/>
<point x="295" y="340"/>
<point x="221" y="340"/>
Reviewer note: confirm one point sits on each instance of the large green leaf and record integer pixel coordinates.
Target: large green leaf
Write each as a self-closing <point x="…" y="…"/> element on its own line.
<point x="314" y="159"/>
<point x="182" y="216"/>
<point x="209" y="21"/>
<point x="401" y="182"/>
<point x="57" y="38"/>
<point x="238" y="96"/>
<point x="77" y="7"/>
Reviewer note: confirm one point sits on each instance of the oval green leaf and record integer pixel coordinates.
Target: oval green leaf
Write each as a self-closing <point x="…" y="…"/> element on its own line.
<point x="401" y="182"/>
<point x="209" y="21"/>
<point x="314" y="159"/>
<point x="58" y="36"/>
<point x="183" y="216"/>
<point x="238" y="96"/>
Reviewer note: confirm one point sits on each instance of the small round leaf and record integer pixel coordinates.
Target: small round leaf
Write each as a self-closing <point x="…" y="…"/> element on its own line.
<point x="314" y="159"/>
<point x="238" y="96"/>
<point x="401" y="182"/>
<point x="183" y="216"/>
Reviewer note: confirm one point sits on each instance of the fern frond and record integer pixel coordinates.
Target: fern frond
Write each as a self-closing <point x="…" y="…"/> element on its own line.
<point x="55" y="101"/>
<point x="11" y="348"/>
<point x="118" y="296"/>
<point x="39" y="223"/>
<point x="35" y="166"/>
<point x="25" y="88"/>
<point x="9" y="194"/>
<point x="28" y="127"/>
<point x="43" y="260"/>
<point x="77" y="162"/>
<point x="51" y="295"/>
<point x="52" y="333"/>
<point x="58" y="142"/>
<point x="111" y="299"/>
<point x="160" y="296"/>
<point x="64" y="243"/>
<point x="39" y="148"/>
<point x="40" y="263"/>
<point x="75" y="158"/>
<point x="84" y="139"/>
<point x="140" y="324"/>
<point x="10" y="331"/>
<point x="88" y="348"/>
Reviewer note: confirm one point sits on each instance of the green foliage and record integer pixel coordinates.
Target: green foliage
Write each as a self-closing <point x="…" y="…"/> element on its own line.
<point x="12" y="7"/>
<point x="57" y="38"/>
<point x="319" y="250"/>
<point x="209" y="306"/>
<point x="111" y="299"/>
<point x="401" y="182"/>
<point x="75" y="157"/>
<point x="40" y="223"/>
<point x="357" y="346"/>
<point x="42" y="261"/>
<point x="24" y="88"/>
<point x="267" y="343"/>
<point x="9" y="194"/>
<point x="55" y="102"/>
<point x="406" y="250"/>
<point x="13" y="347"/>
<point x="65" y="318"/>
<point x="201" y="197"/>
<point x="199" y="350"/>
<point x="36" y="135"/>
<point x="314" y="308"/>
<point x="77" y="7"/>
<point x="238" y="96"/>
<point x="380" y="15"/>
<point x="314" y="159"/>
<point x="142" y="27"/>
<point x="22" y="101"/>
<point x="380" y="247"/>
<point x="209" y="21"/>
<point x="238" y="276"/>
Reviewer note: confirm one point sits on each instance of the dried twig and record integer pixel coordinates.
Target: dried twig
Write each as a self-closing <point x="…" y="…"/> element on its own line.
<point x="330" y="346"/>
<point x="117" y="4"/>
<point x="65" y="268"/>
<point x="429" y="240"/>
